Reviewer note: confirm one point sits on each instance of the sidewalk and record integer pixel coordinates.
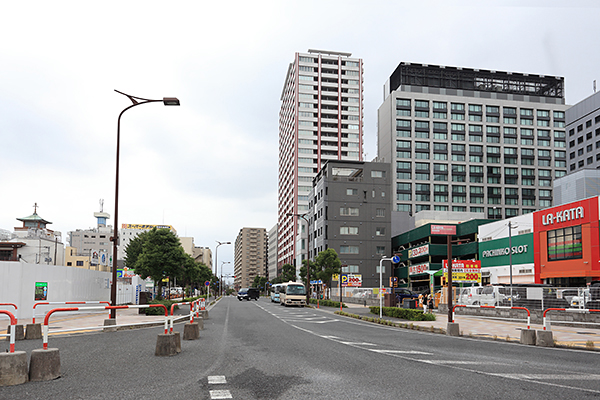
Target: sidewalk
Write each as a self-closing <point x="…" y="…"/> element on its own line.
<point x="84" y="321"/>
<point x="492" y="328"/>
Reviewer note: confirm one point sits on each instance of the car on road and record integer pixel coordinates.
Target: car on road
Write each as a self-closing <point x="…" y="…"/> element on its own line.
<point x="403" y="293"/>
<point x="248" y="294"/>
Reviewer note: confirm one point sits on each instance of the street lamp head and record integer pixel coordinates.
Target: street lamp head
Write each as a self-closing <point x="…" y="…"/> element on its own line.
<point x="170" y="101"/>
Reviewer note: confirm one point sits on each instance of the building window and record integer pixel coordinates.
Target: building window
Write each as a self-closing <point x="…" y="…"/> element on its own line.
<point x="348" y="249"/>
<point x="380" y="212"/>
<point x="348" y="230"/>
<point x="380" y="231"/>
<point x="351" y="192"/>
<point x="565" y="243"/>
<point x="380" y="249"/>
<point x="79" y="263"/>
<point x="377" y="174"/>
<point x="349" y="211"/>
<point x="404" y="207"/>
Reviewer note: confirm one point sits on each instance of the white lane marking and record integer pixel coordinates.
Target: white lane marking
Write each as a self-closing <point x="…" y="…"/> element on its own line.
<point x="220" y="394"/>
<point x="587" y="377"/>
<point x="455" y="362"/>
<point x="401" y="352"/>
<point x="362" y="344"/>
<point x="216" y="379"/>
<point x="458" y="367"/>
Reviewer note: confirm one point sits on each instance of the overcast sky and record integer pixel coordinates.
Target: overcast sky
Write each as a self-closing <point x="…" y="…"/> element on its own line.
<point x="209" y="167"/>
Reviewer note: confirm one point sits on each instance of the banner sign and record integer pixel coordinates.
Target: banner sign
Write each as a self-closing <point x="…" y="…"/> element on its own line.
<point x="465" y="271"/>
<point x="443" y="229"/>
<point x="418" y="269"/>
<point x="418" y="251"/>
<point x="351" y="280"/>
<point x="41" y="291"/>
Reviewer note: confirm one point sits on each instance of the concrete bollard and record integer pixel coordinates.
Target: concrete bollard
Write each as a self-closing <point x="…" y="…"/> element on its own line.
<point x="528" y="336"/>
<point x="204" y="314"/>
<point x="44" y="365"/>
<point x="544" y="339"/>
<point x="13" y="368"/>
<point x="452" y="329"/>
<point x="108" y="322"/>
<point x="177" y="342"/>
<point x="33" y="331"/>
<point x="19" y="332"/>
<point x="191" y="331"/>
<point x="200" y="322"/>
<point x="166" y="344"/>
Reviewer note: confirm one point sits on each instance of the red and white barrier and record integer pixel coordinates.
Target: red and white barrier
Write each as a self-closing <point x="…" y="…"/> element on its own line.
<point x="192" y="305"/>
<point x="9" y="304"/>
<point x="499" y="307"/>
<point x="13" y="329"/>
<point x="45" y="327"/>
<point x="578" y="310"/>
<point x="55" y="303"/>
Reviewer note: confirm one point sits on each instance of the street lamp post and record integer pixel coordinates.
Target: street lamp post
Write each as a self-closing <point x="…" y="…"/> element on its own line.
<point x="303" y="216"/>
<point x="167" y="101"/>
<point x="395" y="260"/>
<point x="221" y="278"/>
<point x="217" y="259"/>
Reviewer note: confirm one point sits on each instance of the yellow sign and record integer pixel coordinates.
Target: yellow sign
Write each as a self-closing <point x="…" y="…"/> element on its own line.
<point x="147" y="226"/>
<point x="335" y="277"/>
<point x="464" y="277"/>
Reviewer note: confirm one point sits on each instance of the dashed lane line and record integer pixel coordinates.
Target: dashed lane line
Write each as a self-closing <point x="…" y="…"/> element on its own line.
<point x="220" y="394"/>
<point x="460" y="365"/>
<point x="216" y="380"/>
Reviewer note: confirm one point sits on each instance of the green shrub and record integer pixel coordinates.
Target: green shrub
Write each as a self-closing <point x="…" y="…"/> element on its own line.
<point x="403" y="313"/>
<point x="160" y="310"/>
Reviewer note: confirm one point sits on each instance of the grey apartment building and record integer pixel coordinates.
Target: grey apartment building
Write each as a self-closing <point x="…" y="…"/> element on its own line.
<point x="350" y="213"/>
<point x="321" y="119"/>
<point x="469" y="140"/>
<point x="583" y="127"/>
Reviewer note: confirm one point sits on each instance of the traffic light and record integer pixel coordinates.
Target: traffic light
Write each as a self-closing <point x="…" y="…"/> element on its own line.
<point x="444" y="281"/>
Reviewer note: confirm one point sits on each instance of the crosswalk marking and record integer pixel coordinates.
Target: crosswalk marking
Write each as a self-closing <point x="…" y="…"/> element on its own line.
<point x="220" y="394"/>
<point x="216" y="379"/>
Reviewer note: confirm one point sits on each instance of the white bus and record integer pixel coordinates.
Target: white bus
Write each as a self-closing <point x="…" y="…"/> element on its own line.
<point x="275" y="293"/>
<point x="292" y="294"/>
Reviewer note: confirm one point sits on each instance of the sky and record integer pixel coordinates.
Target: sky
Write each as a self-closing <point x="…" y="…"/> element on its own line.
<point x="209" y="167"/>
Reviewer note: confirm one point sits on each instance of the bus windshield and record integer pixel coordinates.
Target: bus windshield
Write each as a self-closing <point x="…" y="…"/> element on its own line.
<point x="296" y="289"/>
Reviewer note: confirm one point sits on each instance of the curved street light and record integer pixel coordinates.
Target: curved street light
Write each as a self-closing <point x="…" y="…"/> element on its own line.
<point x="167" y="101"/>
<point x="217" y="259"/>
<point x="221" y="278"/>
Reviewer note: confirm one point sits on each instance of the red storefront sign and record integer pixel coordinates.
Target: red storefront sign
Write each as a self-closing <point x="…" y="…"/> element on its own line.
<point x="418" y="251"/>
<point x="566" y="241"/>
<point x="418" y="269"/>
<point x="443" y="229"/>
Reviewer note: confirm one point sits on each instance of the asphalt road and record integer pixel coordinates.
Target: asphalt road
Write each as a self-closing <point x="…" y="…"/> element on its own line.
<point x="260" y="350"/>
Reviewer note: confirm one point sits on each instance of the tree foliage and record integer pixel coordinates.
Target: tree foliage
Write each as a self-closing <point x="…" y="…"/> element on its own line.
<point x="288" y="273"/>
<point x="134" y="249"/>
<point x="327" y="263"/>
<point x="260" y="282"/>
<point x="161" y="256"/>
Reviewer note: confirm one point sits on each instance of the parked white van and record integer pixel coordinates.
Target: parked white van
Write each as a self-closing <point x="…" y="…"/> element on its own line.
<point x="482" y="295"/>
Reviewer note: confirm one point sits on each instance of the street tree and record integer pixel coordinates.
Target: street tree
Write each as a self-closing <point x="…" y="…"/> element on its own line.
<point x="288" y="273"/>
<point x="327" y="263"/>
<point x="162" y="256"/>
<point x="260" y="282"/>
<point x="134" y="249"/>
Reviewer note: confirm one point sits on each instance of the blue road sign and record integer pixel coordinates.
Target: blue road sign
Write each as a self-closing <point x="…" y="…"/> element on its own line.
<point x="395" y="259"/>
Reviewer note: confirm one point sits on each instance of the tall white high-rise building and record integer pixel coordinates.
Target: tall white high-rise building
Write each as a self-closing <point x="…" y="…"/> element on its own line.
<point x="321" y="118"/>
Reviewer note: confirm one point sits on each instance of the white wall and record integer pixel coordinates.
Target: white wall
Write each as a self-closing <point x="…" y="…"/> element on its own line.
<point x="17" y="285"/>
